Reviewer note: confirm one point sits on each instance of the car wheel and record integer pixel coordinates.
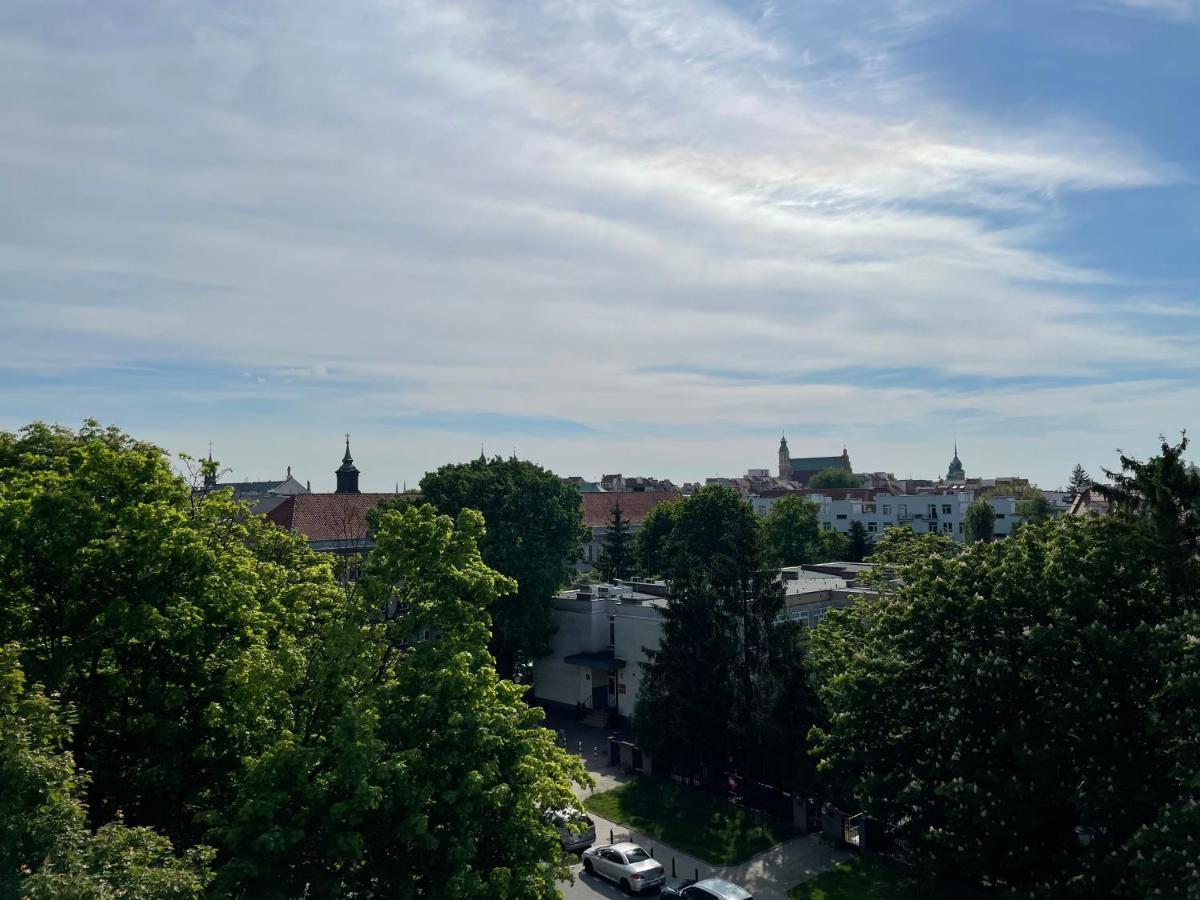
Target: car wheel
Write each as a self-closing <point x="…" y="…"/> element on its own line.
<point x="625" y="885"/>
<point x="587" y="867"/>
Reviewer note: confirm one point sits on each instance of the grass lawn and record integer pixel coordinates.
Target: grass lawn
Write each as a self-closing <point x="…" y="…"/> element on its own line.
<point x="691" y="821"/>
<point x="860" y="879"/>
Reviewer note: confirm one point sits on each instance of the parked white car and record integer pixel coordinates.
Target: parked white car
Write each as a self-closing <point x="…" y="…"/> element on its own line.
<point x="627" y="865"/>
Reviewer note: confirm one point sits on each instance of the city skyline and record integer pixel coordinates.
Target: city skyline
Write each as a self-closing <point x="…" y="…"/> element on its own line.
<point x="642" y="237"/>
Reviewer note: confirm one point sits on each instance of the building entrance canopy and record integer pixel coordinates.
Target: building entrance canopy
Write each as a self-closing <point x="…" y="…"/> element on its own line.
<point x="603" y="659"/>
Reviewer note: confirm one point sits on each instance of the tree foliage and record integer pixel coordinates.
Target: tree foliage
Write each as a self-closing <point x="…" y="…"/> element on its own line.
<point x="833" y="545"/>
<point x="979" y="523"/>
<point x="224" y="689"/>
<point x="835" y="478"/>
<point x="1035" y="510"/>
<point x="716" y="530"/>
<point x="46" y="848"/>
<point x="1080" y="480"/>
<point x="650" y="545"/>
<point x="858" y="542"/>
<point x="617" y="544"/>
<point x="728" y="685"/>
<point x="992" y="700"/>
<point x="534" y="533"/>
<point x="791" y="532"/>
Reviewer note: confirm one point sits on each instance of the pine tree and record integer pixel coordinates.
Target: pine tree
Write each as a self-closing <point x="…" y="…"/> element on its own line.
<point x="1080" y="480"/>
<point x="614" y="563"/>
<point x="857" y="543"/>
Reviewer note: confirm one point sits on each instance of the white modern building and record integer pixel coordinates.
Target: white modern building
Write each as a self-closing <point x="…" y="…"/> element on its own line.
<point x="940" y="513"/>
<point x="604" y="631"/>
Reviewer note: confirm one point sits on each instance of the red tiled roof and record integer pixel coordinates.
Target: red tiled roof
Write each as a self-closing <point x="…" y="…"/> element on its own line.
<point x="327" y="517"/>
<point x="635" y="506"/>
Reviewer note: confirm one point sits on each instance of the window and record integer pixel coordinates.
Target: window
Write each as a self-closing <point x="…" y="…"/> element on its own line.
<point x="828" y="526"/>
<point x="933" y="526"/>
<point x="887" y="510"/>
<point x="960" y="527"/>
<point x="947" y="527"/>
<point x="871" y="527"/>
<point x="841" y="515"/>
<point x="946" y="509"/>
<point x="612" y="631"/>
<point x="902" y="510"/>
<point x="999" y="515"/>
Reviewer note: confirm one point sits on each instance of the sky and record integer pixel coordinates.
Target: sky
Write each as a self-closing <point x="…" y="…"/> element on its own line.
<point x="638" y="236"/>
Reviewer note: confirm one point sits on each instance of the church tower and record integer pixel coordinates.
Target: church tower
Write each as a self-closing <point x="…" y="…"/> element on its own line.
<point x="956" y="473"/>
<point x="347" y="474"/>
<point x="785" y="460"/>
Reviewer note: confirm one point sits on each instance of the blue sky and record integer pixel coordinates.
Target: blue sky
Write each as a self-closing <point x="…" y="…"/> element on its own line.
<point x="626" y="236"/>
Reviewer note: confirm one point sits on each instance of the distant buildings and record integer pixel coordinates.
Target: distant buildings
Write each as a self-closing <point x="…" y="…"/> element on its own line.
<point x="597" y="514"/>
<point x="801" y="469"/>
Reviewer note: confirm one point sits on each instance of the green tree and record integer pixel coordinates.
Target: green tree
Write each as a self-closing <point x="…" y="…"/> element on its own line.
<point x="534" y="533"/>
<point x="858" y="542"/>
<point x="833" y="546"/>
<point x="1035" y="510"/>
<point x="650" y="545"/>
<point x="979" y="523"/>
<point x="415" y="750"/>
<point x="714" y="530"/>
<point x="614" y="563"/>
<point x="791" y="532"/>
<point x="999" y="698"/>
<point x="173" y="629"/>
<point x="226" y="690"/>
<point x="1080" y="480"/>
<point x="46" y="849"/>
<point x="1161" y="496"/>
<point x="835" y="478"/>
<point x="728" y="684"/>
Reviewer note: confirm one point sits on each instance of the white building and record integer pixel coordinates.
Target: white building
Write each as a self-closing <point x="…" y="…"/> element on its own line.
<point x="940" y="513"/>
<point x="604" y="631"/>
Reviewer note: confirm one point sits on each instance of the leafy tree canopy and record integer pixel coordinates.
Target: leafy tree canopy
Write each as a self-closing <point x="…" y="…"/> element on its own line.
<point x="534" y="533"/>
<point x="993" y="700"/>
<point x="979" y="523"/>
<point x="650" y="545"/>
<point x="791" y="532"/>
<point x="835" y="478"/>
<point x="224" y="689"/>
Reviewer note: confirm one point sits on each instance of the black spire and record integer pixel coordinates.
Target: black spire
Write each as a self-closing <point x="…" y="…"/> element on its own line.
<point x="347" y="474"/>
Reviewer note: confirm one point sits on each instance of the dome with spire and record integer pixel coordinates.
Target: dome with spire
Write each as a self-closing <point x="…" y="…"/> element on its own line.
<point x="956" y="472"/>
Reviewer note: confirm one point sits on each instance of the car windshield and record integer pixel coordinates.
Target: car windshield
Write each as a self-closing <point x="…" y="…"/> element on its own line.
<point x="636" y="855"/>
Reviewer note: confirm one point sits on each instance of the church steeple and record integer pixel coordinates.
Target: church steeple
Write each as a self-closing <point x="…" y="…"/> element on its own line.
<point x="785" y="459"/>
<point x="955" y="472"/>
<point x="347" y="474"/>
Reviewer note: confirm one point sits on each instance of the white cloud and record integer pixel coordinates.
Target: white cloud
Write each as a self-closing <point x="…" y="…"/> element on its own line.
<point x="518" y="208"/>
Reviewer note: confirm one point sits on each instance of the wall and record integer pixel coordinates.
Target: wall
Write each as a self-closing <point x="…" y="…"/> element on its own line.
<point x="582" y="628"/>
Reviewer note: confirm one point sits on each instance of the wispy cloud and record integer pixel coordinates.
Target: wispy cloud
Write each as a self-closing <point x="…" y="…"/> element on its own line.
<point x="414" y="208"/>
